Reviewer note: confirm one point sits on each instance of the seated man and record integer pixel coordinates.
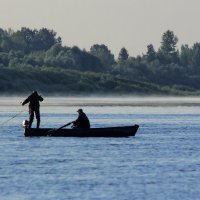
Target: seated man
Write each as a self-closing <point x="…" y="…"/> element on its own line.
<point x="82" y="121"/>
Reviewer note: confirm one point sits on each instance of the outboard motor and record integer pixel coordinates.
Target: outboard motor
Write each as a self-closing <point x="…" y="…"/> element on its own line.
<point x="25" y="123"/>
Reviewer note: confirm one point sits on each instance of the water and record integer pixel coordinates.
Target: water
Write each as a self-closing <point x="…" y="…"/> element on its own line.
<point x="161" y="162"/>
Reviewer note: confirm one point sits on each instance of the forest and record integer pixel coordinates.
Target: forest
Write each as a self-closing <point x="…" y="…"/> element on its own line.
<point x="32" y="59"/>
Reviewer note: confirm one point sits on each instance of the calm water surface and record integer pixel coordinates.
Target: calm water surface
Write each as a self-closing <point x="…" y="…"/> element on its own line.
<point x="161" y="162"/>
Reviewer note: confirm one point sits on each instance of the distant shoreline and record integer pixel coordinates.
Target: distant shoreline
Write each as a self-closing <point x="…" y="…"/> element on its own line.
<point x="107" y="101"/>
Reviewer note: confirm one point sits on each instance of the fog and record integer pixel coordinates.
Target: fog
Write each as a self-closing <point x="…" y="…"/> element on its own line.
<point x="107" y="101"/>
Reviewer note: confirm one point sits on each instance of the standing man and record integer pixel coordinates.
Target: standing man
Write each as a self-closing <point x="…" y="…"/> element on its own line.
<point x="34" y="107"/>
<point x="82" y="121"/>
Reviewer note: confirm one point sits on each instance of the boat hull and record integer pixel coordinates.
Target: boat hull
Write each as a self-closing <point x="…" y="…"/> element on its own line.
<point x="125" y="131"/>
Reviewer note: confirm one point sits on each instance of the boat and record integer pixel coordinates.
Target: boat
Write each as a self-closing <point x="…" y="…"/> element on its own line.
<point x="123" y="131"/>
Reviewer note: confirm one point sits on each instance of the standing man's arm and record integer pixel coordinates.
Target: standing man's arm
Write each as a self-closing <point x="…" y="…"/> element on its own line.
<point x="26" y="101"/>
<point x="40" y="98"/>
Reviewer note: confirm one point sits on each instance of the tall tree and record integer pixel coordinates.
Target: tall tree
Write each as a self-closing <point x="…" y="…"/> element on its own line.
<point x="169" y="41"/>
<point x="185" y="55"/>
<point x="196" y="56"/>
<point x="151" y="53"/>
<point x="5" y="42"/>
<point x="123" y="54"/>
<point x="104" y="54"/>
<point x="168" y="52"/>
<point x="47" y="38"/>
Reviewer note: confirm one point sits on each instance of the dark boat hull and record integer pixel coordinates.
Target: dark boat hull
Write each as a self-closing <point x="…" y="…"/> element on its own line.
<point x="125" y="131"/>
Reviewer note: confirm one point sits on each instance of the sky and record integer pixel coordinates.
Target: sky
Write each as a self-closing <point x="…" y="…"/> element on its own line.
<point x="132" y="24"/>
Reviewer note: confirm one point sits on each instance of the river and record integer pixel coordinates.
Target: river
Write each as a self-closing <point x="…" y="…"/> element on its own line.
<point x="161" y="162"/>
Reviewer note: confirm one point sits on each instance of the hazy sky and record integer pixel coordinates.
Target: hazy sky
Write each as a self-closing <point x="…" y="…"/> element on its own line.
<point x="132" y="24"/>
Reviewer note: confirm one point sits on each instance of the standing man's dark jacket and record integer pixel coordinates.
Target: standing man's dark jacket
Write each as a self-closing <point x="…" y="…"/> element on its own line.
<point x="82" y="121"/>
<point x="34" y="107"/>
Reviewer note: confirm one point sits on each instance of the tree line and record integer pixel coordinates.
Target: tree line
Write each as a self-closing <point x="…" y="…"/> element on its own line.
<point x="37" y="58"/>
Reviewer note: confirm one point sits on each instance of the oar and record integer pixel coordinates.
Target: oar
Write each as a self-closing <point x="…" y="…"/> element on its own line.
<point x="54" y="130"/>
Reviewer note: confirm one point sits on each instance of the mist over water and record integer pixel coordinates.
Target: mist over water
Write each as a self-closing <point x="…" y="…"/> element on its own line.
<point x="109" y="101"/>
<point x="160" y="162"/>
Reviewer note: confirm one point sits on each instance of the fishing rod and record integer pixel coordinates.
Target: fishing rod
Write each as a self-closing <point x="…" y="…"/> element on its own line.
<point x="13" y="117"/>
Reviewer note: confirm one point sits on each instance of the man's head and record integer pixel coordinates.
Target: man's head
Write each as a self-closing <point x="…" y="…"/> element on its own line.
<point x="35" y="92"/>
<point x="80" y="110"/>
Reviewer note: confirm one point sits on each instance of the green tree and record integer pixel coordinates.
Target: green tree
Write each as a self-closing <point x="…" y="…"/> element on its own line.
<point x="196" y="57"/>
<point x="151" y="53"/>
<point x="104" y="54"/>
<point x="169" y="41"/>
<point x="28" y="37"/>
<point x="185" y="55"/>
<point x="123" y="54"/>
<point x="46" y="39"/>
<point x="168" y="52"/>
<point x="2" y="35"/>
<point x="5" y="41"/>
